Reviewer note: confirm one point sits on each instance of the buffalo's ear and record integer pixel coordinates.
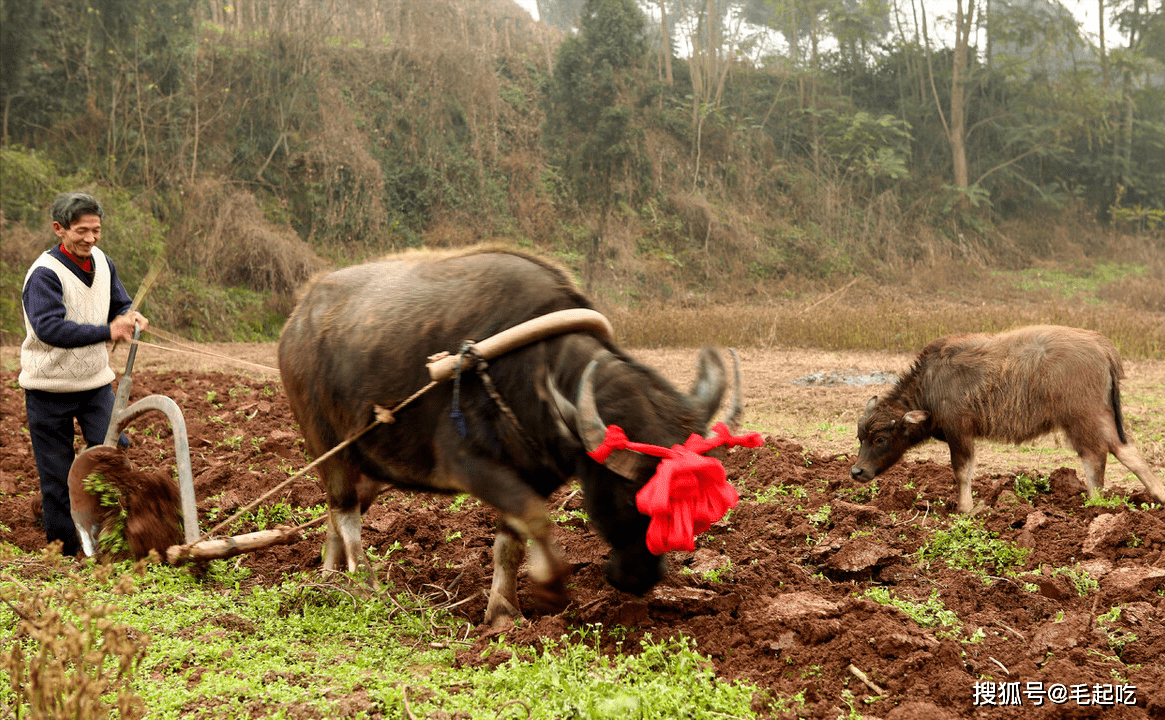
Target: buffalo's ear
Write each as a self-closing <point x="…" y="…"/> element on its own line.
<point x="708" y="388"/>
<point x="871" y="403"/>
<point x="916" y="417"/>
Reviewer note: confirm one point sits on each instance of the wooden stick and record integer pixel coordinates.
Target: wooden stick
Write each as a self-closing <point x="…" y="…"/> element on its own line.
<point x="865" y="680"/>
<point x="231" y="546"/>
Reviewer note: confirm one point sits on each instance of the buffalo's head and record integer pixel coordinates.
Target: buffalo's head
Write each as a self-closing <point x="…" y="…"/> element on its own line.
<point x="650" y="410"/>
<point x="886" y="431"/>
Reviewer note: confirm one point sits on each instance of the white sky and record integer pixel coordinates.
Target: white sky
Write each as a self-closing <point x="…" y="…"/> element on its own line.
<point x="1084" y="10"/>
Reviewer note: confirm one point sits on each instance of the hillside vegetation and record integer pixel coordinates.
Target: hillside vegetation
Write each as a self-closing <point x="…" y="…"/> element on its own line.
<point x="249" y="146"/>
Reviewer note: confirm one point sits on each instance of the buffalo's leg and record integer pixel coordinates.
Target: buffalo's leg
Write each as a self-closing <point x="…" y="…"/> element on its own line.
<point x="548" y="570"/>
<point x="345" y="487"/>
<point x="522" y="512"/>
<point x="547" y="567"/>
<point x="963" y="464"/>
<point x="343" y="549"/>
<point x="509" y="551"/>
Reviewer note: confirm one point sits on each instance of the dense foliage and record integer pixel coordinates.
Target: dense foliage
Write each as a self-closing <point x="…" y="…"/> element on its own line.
<point x="665" y="146"/>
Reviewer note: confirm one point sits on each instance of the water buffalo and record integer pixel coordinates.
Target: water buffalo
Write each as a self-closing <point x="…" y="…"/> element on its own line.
<point x="360" y="338"/>
<point x="1009" y="387"/>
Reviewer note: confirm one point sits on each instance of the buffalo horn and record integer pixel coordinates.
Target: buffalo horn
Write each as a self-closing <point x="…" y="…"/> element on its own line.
<point x="590" y="426"/>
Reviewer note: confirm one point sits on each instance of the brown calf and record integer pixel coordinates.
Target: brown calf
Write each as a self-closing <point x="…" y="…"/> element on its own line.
<point x="1010" y="387"/>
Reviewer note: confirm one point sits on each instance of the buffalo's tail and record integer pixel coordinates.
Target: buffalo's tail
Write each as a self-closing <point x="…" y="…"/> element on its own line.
<point x="1115" y="390"/>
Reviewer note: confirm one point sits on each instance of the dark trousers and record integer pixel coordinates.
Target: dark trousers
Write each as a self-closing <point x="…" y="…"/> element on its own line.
<point x="50" y="426"/>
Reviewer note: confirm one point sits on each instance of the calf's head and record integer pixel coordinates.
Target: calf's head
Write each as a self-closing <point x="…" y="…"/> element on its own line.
<point x="886" y="431"/>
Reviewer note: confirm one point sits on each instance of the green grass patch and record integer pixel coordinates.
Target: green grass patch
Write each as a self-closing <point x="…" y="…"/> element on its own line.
<point x="157" y="639"/>
<point x="268" y="516"/>
<point x="1109" y="501"/>
<point x="1075" y="285"/>
<point x="570" y="677"/>
<point x="968" y="545"/>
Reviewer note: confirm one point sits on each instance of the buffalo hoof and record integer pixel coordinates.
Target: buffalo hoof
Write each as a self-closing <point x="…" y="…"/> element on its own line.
<point x="980" y="509"/>
<point x="501" y="612"/>
<point x="362" y="581"/>
<point x="551" y="597"/>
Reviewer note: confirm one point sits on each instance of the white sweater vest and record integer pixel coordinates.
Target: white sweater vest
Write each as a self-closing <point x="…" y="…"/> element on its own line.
<point x="44" y="367"/>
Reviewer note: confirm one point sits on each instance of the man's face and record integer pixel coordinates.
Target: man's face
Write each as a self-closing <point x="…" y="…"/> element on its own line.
<point x="80" y="237"/>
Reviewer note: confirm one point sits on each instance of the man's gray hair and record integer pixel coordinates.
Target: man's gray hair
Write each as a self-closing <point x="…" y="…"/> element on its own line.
<point x="69" y="206"/>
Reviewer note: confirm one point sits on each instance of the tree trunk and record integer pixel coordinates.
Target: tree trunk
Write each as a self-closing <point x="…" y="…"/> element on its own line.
<point x="1103" y="52"/>
<point x="665" y="43"/>
<point x="957" y="133"/>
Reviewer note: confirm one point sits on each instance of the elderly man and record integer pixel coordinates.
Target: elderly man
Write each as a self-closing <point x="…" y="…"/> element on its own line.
<point x="74" y="304"/>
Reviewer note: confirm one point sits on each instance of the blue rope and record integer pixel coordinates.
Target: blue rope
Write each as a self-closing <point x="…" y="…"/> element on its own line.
<point x="455" y="413"/>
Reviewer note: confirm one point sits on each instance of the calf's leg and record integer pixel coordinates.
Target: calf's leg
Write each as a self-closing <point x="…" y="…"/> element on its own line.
<point x="963" y="464"/>
<point x="1130" y="457"/>
<point x="1108" y="440"/>
<point x="1094" y="463"/>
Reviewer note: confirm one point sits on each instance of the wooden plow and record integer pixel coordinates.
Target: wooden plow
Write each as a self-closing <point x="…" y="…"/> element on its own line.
<point x="87" y="511"/>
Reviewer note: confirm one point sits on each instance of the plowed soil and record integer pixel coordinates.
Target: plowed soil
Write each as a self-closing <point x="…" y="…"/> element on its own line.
<point x="775" y="593"/>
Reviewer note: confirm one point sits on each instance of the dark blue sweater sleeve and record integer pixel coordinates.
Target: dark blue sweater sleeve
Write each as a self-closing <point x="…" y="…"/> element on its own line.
<point x="44" y="302"/>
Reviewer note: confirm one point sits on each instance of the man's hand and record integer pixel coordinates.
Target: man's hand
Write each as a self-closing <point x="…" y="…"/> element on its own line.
<point x="122" y="326"/>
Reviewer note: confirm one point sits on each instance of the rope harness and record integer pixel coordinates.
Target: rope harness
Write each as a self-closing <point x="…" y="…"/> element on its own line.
<point x="469" y="350"/>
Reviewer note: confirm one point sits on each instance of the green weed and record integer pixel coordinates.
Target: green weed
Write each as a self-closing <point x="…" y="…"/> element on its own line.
<point x="112" y="538"/>
<point x="1108" y="501"/>
<point x="1080" y="579"/>
<point x="716" y="575"/>
<point x="968" y="545"/>
<point x="1028" y="487"/>
<point x="860" y="495"/>
<point x="820" y="516"/>
<point x="1118" y="638"/>
<point x="929" y="613"/>
<point x="234" y="442"/>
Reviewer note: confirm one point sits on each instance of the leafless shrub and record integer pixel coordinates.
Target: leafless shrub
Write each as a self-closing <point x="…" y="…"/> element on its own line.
<point x="67" y="658"/>
<point x="224" y="232"/>
<point x="19" y="249"/>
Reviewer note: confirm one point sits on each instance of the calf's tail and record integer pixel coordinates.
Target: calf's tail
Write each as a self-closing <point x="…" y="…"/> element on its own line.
<point x="1115" y="390"/>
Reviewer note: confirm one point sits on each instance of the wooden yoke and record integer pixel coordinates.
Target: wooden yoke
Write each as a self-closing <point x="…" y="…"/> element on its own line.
<point x="443" y="365"/>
